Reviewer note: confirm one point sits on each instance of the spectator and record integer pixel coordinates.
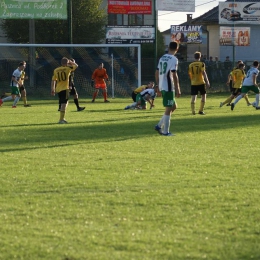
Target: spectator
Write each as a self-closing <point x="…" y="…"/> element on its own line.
<point x="210" y="69"/>
<point x="217" y="69"/>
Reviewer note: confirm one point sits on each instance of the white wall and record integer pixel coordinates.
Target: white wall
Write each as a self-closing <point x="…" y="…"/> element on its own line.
<point x="213" y="40"/>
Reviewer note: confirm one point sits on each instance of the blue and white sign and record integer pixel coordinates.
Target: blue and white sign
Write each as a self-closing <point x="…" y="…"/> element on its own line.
<point x="239" y="12"/>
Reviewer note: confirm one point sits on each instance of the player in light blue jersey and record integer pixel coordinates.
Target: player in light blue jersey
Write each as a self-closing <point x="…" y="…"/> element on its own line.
<point x="168" y="82"/>
<point x="250" y="84"/>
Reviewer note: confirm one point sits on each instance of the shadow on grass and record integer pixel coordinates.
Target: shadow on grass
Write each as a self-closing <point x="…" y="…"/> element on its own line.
<point x="48" y="135"/>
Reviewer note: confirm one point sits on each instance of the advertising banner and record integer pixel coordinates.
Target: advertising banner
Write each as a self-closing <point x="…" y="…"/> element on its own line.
<point x="33" y="9"/>
<point x="237" y="36"/>
<point x="130" y="34"/>
<point x="186" y="33"/>
<point x="176" y="5"/>
<point x="239" y="12"/>
<point x="129" y="7"/>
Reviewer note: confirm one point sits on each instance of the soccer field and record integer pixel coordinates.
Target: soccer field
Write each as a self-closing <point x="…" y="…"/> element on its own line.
<point x="108" y="186"/>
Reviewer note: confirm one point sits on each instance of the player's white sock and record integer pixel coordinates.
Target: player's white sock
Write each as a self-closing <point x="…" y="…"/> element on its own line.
<point x="167" y="124"/>
<point x="256" y="100"/>
<point x="7" y="98"/>
<point x="237" y="99"/>
<point x="160" y="124"/>
<point x="16" y="100"/>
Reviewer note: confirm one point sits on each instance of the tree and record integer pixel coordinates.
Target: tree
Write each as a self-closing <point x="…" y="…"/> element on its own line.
<point x="88" y="26"/>
<point x="148" y="49"/>
<point x="149" y="59"/>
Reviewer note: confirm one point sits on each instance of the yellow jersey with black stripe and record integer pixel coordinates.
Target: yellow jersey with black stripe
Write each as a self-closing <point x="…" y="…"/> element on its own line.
<point x="22" y="77"/>
<point x="196" y="70"/>
<point x="61" y="75"/>
<point x="140" y="89"/>
<point x="238" y="76"/>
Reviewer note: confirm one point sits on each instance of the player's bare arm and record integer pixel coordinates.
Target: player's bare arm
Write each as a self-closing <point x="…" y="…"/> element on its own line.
<point x="206" y="79"/>
<point x="176" y="84"/>
<point x="53" y="84"/>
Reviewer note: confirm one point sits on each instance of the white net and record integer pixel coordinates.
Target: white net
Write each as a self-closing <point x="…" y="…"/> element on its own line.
<point x="122" y="63"/>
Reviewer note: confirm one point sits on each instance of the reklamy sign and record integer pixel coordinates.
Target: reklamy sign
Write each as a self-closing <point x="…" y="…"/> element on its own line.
<point x="130" y="34"/>
<point x="176" y="5"/>
<point x="239" y="12"/>
<point x="129" y="7"/>
<point x="33" y="9"/>
<point x="186" y="33"/>
<point x="238" y="36"/>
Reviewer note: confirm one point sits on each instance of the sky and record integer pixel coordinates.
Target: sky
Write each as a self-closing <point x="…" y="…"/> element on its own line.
<point x="166" y="19"/>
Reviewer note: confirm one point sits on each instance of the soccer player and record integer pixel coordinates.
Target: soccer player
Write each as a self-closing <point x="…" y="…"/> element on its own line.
<point x="15" y="83"/>
<point x="147" y="95"/>
<point x="238" y="76"/>
<point x="199" y="82"/>
<point x="73" y="91"/>
<point x="22" y="88"/>
<point x="249" y="84"/>
<point x="140" y="89"/>
<point x="60" y="85"/>
<point x="230" y="84"/>
<point x="168" y="82"/>
<point x="98" y="77"/>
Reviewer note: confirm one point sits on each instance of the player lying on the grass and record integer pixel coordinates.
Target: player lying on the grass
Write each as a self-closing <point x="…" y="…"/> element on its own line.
<point x="147" y="95"/>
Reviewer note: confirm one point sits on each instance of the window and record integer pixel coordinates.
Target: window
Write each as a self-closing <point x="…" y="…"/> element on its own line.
<point x="115" y="19"/>
<point x="136" y="19"/>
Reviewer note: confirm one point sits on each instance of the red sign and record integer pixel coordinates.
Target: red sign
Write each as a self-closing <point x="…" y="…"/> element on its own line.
<point x="129" y="7"/>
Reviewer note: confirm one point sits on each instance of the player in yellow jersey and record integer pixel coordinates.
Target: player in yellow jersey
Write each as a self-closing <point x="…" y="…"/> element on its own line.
<point x="238" y="76"/>
<point x="230" y="84"/>
<point x="140" y="97"/>
<point x="199" y="82"/>
<point x="60" y="85"/>
<point x="73" y="91"/>
<point x="140" y="89"/>
<point x="22" y="88"/>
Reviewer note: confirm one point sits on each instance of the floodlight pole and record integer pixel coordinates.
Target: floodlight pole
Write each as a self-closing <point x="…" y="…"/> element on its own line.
<point x="234" y="41"/>
<point x="70" y="20"/>
<point x="70" y="38"/>
<point x="155" y="34"/>
<point x="32" y="53"/>
<point x="112" y="76"/>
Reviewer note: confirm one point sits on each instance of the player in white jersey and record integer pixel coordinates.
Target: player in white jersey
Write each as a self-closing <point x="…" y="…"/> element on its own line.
<point x="15" y="83"/>
<point x="167" y="79"/>
<point x="147" y="95"/>
<point x="250" y="84"/>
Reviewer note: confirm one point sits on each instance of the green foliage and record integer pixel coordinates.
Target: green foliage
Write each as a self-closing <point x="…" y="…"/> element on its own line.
<point x="88" y="26"/>
<point x="107" y="186"/>
<point x="148" y="49"/>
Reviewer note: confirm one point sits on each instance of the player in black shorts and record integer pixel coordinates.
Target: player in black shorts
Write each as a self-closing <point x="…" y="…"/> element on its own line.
<point x="73" y="91"/>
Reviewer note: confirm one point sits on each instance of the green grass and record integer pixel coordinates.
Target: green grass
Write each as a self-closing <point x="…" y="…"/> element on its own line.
<point x="107" y="186"/>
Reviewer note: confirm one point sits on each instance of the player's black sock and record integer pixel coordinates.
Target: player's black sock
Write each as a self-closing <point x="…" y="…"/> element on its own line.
<point x="76" y="101"/>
